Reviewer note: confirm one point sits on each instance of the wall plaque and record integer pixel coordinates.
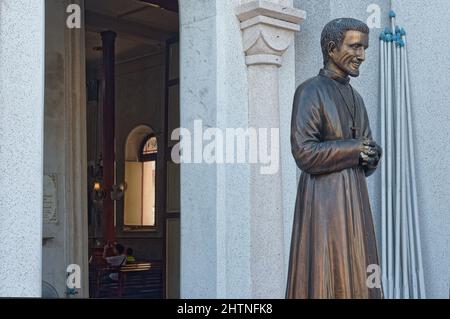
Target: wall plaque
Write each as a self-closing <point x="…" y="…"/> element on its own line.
<point x="50" y="199"/>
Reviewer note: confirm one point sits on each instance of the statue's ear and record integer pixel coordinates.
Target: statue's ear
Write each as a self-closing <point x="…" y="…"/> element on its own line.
<point x="331" y="48"/>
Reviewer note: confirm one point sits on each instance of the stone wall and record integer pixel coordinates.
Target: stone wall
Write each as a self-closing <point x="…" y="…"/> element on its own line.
<point x="429" y="64"/>
<point x="21" y="146"/>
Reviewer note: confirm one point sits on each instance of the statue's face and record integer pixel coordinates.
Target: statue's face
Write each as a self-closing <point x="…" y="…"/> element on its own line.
<point x="351" y="54"/>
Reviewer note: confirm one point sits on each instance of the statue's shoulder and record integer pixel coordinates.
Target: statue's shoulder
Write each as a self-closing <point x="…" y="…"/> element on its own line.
<point x="311" y="86"/>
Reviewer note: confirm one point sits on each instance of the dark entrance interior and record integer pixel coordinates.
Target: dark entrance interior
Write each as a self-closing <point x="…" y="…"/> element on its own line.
<point x="132" y="75"/>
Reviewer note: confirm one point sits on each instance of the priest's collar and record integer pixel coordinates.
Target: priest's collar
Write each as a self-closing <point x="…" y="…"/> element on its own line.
<point x="334" y="76"/>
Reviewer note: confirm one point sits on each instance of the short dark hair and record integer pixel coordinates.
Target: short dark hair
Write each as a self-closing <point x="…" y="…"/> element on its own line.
<point x="120" y="249"/>
<point x="334" y="31"/>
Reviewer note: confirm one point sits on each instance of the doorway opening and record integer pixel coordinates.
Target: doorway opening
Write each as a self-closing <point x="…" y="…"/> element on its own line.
<point x="132" y="86"/>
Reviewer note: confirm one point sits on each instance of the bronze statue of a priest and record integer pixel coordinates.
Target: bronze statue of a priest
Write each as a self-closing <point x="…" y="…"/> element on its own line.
<point x="333" y="238"/>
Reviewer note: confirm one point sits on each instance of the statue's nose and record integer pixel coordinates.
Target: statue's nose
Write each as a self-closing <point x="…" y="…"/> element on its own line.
<point x="361" y="56"/>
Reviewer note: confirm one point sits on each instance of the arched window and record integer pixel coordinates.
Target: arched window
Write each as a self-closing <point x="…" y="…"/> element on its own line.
<point x="140" y="177"/>
<point x="149" y="149"/>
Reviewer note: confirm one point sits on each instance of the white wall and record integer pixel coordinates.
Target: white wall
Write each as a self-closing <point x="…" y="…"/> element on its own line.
<point x="21" y="145"/>
<point x="197" y="99"/>
<point x="428" y="43"/>
<point x="215" y="226"/>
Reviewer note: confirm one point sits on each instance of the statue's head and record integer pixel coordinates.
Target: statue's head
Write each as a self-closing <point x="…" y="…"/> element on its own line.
<point x="344" y="42"/>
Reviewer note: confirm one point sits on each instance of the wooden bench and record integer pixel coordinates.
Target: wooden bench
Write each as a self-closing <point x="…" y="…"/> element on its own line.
<point x="135" y="280"/>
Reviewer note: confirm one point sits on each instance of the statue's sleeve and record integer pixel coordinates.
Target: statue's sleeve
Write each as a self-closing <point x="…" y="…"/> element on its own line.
<point x="366" y="133"/>
<point x="312" y="154"/>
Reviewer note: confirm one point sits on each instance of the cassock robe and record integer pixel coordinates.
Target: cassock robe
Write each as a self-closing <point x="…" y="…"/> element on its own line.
<point x="333" y="238"/>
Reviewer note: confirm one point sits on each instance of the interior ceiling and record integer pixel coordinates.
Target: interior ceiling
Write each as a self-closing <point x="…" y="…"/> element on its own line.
<point x="171" y="5"/>
<point x="155" y="15"/>
<point x="125" y="48"/>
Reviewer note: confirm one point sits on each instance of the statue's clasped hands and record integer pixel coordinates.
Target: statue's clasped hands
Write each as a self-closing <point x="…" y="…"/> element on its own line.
<point x="370" y="153"/>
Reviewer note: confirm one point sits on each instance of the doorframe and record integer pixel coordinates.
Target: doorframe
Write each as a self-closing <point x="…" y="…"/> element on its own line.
<point x="166" y="157"/>
<point x="76" y="152"/>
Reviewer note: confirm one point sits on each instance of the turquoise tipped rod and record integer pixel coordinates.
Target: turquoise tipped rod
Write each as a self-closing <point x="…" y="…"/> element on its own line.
<point x="403" y="150"/>
<point x="414" y="293"/>
<point x="386" y="163"/>
<point x="383" y="166"/>
<point x="389" y="180"/>
<point x="398" y="165"/>
<point x="396" y="162"/>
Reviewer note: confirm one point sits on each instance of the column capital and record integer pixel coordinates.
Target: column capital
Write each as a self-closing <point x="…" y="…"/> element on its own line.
<point x="267" y="30"/>
<point x="108" y="36"/>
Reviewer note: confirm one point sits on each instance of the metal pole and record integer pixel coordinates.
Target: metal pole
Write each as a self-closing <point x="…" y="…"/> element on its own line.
<point x="398" y="162"/>
<point x="411" y="246"/>
<point x="403" y="212"/>
<point x="395" y="163"/>
<point x="383" y="166"/>
<point x="386" y="281"/>
<point x="393" y="182"/>
<point x="389" y="148"/>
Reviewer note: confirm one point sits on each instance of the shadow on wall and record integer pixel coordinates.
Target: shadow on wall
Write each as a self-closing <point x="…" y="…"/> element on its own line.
<point x="48" y="291"/>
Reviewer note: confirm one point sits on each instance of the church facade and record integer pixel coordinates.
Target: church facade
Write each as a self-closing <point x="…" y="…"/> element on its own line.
<point x="219" y="224"/>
